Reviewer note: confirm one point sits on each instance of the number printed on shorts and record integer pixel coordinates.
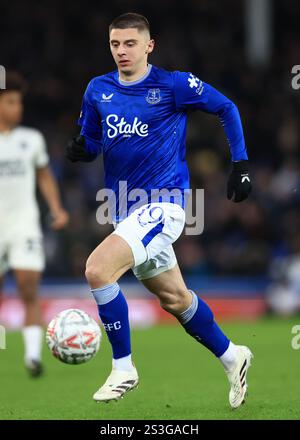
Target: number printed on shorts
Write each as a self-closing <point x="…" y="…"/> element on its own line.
<point x="34" y="245"/>
<point x="150" y="215"/>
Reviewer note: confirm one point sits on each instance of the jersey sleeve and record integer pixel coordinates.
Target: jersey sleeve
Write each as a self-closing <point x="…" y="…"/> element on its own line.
<point x="192" y="93"/>
<point x="41" y="158"/>
<point x="90" y="122"/>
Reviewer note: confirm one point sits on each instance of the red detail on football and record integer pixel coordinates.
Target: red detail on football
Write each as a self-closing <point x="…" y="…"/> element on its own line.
<point x="91" y="336"/>
<point x="69" y="342"/>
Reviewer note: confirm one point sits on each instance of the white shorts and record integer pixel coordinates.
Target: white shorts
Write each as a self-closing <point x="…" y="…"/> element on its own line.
<point x="150" y="231"/>
<point x="22" y="251"/>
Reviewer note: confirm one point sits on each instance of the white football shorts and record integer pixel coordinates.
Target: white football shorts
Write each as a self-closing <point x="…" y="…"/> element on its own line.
<point x="150" y="231"/>
<point x="22" y="251"/>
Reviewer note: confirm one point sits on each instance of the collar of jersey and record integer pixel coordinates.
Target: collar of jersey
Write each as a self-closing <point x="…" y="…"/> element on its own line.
<point x="132" y="83"/>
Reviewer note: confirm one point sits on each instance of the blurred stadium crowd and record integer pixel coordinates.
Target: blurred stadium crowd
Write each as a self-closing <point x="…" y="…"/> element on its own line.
<point x="60" y="46"/>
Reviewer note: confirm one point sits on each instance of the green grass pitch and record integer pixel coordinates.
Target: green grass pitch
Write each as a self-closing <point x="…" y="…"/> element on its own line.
<point x="179" y="379"/>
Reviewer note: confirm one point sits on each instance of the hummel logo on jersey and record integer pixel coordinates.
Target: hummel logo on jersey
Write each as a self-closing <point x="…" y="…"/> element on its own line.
<point x="106" y="98"/>
<point x="196" y="82"/>
<point x="124" y="127"/>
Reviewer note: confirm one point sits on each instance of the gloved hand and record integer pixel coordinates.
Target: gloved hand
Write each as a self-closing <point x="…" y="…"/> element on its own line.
<point x="239" y="184"/>
<point x="76" y="150"/>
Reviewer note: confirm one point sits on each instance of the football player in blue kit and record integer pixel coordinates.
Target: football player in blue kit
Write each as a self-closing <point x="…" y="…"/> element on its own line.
<point x="136" y="117"/>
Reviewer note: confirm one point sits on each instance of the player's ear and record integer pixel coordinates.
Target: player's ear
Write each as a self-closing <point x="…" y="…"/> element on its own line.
<point x="150" y="46"/>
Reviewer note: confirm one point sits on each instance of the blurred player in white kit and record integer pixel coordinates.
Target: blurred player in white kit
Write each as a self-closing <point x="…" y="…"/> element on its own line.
<point x="23" y="163"/>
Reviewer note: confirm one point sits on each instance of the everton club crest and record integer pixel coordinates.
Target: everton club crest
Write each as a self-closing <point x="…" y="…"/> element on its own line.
<point x="153" y="96"/>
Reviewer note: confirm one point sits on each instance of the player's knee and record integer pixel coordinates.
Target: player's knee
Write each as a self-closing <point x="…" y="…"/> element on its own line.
<point x="174" y="303"/>
<point x="96" y="277"/>
<point x="29" y="295"/>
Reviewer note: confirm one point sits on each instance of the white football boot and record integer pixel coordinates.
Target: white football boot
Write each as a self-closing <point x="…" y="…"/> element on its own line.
<point x="117" y="384"/>
<point x="238" y="377"/>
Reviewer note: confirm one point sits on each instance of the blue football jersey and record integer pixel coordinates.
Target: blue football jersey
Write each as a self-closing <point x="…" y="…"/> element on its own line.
<point x="140" y="128"/>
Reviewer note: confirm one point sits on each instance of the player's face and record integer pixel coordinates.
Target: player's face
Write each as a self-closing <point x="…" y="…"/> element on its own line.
<point x="130" y="49"/>
<point x="11" y="107"/>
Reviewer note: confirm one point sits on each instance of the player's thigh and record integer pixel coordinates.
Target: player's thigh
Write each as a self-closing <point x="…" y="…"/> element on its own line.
<point x="110" y="260"/>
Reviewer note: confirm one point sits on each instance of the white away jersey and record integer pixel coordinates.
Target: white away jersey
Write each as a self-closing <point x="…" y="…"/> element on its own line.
<point x="22" y="150"/>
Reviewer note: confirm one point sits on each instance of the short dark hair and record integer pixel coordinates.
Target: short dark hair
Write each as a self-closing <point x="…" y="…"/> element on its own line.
<point x="130" y="20"/>
<point x="14" y="82"/>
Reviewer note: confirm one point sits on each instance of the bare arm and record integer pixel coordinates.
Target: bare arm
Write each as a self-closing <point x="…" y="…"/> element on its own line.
<point x="49" y="189"/>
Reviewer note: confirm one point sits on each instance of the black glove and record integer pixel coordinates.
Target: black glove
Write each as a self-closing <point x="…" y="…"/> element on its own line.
<point x="76" y="151"/>
<point x="239" y="184"/>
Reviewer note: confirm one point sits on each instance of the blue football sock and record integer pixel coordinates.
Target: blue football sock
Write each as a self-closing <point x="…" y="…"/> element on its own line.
<point x="113" y="312"/>
<point x="198" y="321"/>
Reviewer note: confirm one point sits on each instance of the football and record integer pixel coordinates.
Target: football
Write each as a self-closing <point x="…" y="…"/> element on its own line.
<point x="73" y="336"/>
